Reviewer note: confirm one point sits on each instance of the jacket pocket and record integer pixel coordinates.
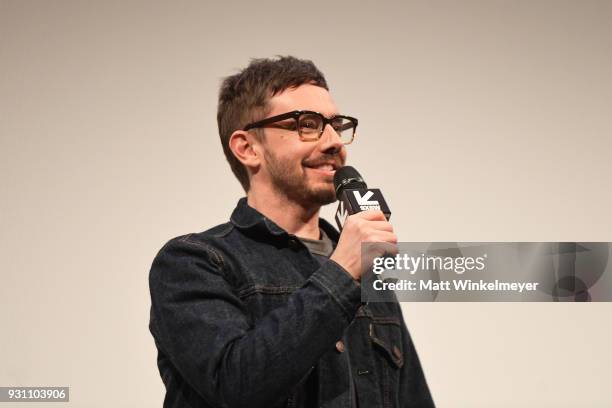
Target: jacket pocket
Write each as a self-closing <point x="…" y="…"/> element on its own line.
<point x="386" y="340"/>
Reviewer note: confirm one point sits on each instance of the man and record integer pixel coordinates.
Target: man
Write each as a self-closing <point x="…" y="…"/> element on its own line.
<point x="265" y="310"/>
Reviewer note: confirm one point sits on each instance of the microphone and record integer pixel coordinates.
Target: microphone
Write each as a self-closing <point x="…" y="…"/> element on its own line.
<point x="354" y="195"/>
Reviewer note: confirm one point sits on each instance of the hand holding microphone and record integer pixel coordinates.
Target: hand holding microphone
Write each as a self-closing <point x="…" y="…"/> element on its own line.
<point x="362" y="217"/>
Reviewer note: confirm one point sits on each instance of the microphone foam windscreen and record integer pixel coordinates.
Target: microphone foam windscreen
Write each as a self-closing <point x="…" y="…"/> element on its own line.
<point x="347" y="177"/>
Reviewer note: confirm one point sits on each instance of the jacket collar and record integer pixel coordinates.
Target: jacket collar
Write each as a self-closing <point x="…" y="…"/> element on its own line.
<point x="246" y="217"/>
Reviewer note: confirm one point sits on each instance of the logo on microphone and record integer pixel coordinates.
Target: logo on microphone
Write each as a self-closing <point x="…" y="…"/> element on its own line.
<point x="341" y="214"/>
<point x="364" y="201"/>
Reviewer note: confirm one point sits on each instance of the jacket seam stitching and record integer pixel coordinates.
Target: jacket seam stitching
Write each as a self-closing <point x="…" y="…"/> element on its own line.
<point x="321" y="281"/>
<point x="209" y="250"/>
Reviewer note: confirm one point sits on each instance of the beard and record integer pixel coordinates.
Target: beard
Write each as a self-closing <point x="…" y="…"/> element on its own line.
<point x="296" y="186"/>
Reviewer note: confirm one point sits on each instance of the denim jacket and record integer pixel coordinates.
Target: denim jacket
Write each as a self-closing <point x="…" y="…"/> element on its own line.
<point x="244" y="316"/>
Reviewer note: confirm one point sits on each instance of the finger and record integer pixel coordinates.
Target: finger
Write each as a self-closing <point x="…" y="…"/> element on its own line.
<point x="380" y="226"/>
<point x="381" y="236"/>
<point x="371" y="215"/>
<point x="382" y="249"/>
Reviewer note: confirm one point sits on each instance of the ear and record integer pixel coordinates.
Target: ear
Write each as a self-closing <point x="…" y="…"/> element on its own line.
<point x="246" y="149"/>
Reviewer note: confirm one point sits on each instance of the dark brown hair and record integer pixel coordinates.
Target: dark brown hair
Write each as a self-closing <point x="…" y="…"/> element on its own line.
<point x="243" y="97"/>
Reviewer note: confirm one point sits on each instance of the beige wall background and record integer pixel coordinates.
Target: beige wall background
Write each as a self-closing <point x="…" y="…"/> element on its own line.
<point x="481" y="120"/>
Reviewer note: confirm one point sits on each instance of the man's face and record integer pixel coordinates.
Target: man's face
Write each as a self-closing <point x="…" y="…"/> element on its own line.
<point x="303" y="171"/>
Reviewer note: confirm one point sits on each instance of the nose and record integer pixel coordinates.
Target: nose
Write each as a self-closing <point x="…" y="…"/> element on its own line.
<point x="330" y="140"/>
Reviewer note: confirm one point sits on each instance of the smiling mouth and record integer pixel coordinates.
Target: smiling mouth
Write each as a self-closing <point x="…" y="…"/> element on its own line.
<point x="324" y="167"/>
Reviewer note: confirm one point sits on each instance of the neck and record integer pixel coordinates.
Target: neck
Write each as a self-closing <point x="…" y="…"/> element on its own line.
<point x="287" y="214"/>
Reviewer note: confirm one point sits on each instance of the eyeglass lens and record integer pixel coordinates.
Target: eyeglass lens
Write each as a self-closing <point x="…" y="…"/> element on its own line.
<point x="310" y="127"/>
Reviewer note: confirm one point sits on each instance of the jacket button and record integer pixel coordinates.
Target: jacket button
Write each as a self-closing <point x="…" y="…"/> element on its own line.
<point x="340" y="346"/>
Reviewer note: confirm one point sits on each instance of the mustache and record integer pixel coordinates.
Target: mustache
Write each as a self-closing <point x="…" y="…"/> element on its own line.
<point x="327" y="158"/>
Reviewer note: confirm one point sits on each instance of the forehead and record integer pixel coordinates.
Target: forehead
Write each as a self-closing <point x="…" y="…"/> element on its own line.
<point x="304" y="97"/>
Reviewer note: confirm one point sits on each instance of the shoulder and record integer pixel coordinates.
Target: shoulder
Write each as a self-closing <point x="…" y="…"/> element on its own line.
<point x="194" y="251"/>
<point x="206" y="240"/>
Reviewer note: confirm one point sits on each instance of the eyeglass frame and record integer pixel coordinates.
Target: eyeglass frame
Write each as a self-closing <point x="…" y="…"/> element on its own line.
<point x="296" y="116"/>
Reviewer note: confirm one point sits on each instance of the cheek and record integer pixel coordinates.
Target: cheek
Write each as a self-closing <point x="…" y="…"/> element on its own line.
<point x="301" y="153"/>
<point x="289" y="153"/>
<point x="286" y="163"/>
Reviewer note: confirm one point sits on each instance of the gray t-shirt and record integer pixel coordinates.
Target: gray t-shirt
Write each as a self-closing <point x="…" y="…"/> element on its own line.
<point x="321" y="249"/>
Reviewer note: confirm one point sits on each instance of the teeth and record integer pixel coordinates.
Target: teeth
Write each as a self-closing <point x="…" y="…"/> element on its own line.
<point x="326" y="167"/>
